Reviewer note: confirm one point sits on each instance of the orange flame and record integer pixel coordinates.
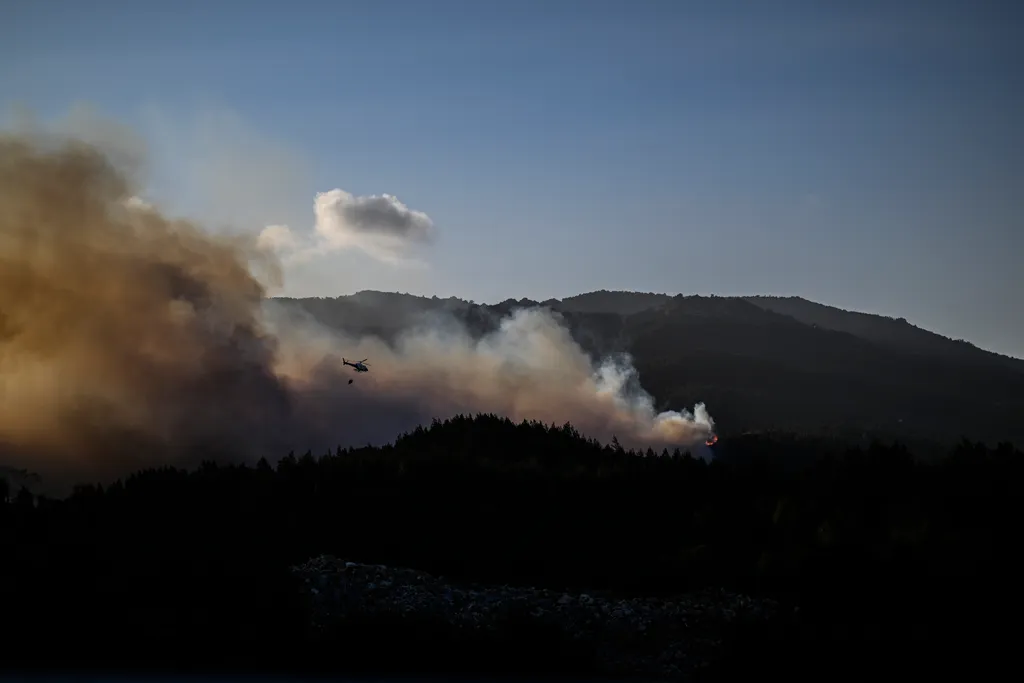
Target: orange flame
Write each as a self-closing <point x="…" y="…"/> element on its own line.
<point x="712" y="440"/>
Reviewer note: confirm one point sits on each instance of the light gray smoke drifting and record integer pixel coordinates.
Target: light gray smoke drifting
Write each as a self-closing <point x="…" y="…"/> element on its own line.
<point x="128" y="339"/>
<point x="530" y="368"/>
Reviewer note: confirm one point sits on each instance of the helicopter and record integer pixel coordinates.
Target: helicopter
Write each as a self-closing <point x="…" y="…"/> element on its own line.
<point x="359" y="365"/>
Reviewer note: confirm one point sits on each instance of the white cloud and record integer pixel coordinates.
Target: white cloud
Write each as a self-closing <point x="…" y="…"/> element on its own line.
<point x="380" y="226"/>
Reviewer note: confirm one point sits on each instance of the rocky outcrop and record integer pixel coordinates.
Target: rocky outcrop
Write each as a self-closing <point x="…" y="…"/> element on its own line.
<point x="673" y="638"/>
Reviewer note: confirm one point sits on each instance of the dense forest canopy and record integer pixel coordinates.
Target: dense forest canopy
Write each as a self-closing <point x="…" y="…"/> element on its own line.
<point x="871" y="541"/>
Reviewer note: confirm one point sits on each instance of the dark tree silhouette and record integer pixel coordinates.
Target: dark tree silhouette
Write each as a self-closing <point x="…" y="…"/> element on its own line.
<point x="887" y="555"/>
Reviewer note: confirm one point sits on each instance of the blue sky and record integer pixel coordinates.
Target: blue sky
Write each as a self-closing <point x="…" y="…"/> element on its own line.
<point x="861" y="154"/>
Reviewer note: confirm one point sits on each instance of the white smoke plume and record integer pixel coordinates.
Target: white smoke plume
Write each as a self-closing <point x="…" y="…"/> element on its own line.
<point x="530" y="368"/>
<point x="129" y="339"/>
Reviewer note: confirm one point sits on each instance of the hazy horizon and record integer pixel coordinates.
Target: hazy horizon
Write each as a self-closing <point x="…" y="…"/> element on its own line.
<point x="866" y="157"/>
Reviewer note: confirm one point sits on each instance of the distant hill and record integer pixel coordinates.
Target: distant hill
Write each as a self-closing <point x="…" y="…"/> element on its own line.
<point x="760" y="363"/>
<point x="382" y="314"/>
<point x="603" y="301"/>
<point x="894" y="332"/>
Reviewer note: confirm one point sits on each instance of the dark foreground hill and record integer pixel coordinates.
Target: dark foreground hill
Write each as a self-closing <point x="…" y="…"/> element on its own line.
<point x="895" y="565"/>
<point x="760" y="363"/>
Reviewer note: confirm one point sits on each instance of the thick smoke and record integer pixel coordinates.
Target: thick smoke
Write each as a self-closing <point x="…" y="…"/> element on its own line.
<point x="529" y="368"/>
<point x="128" y="339"/>
<point x="123" y="335"/>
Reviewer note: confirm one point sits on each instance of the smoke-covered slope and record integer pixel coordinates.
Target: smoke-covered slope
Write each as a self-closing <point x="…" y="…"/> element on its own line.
<point x="759" y="368"/>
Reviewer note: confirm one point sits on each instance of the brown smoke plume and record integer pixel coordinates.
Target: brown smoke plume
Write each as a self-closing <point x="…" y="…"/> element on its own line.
<point x="128" y="340"/>
<point x="125" y="337"/>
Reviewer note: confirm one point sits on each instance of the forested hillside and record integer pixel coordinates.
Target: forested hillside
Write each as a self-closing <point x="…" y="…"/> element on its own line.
<point x="866" y="542"/>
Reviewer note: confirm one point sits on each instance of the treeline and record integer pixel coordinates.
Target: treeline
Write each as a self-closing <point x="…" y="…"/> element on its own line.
<point x="882" y="552"/>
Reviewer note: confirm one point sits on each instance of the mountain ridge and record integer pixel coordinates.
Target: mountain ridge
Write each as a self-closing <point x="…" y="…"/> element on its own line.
<point x="888" y="330"/>
<point x="759" y="363"/>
